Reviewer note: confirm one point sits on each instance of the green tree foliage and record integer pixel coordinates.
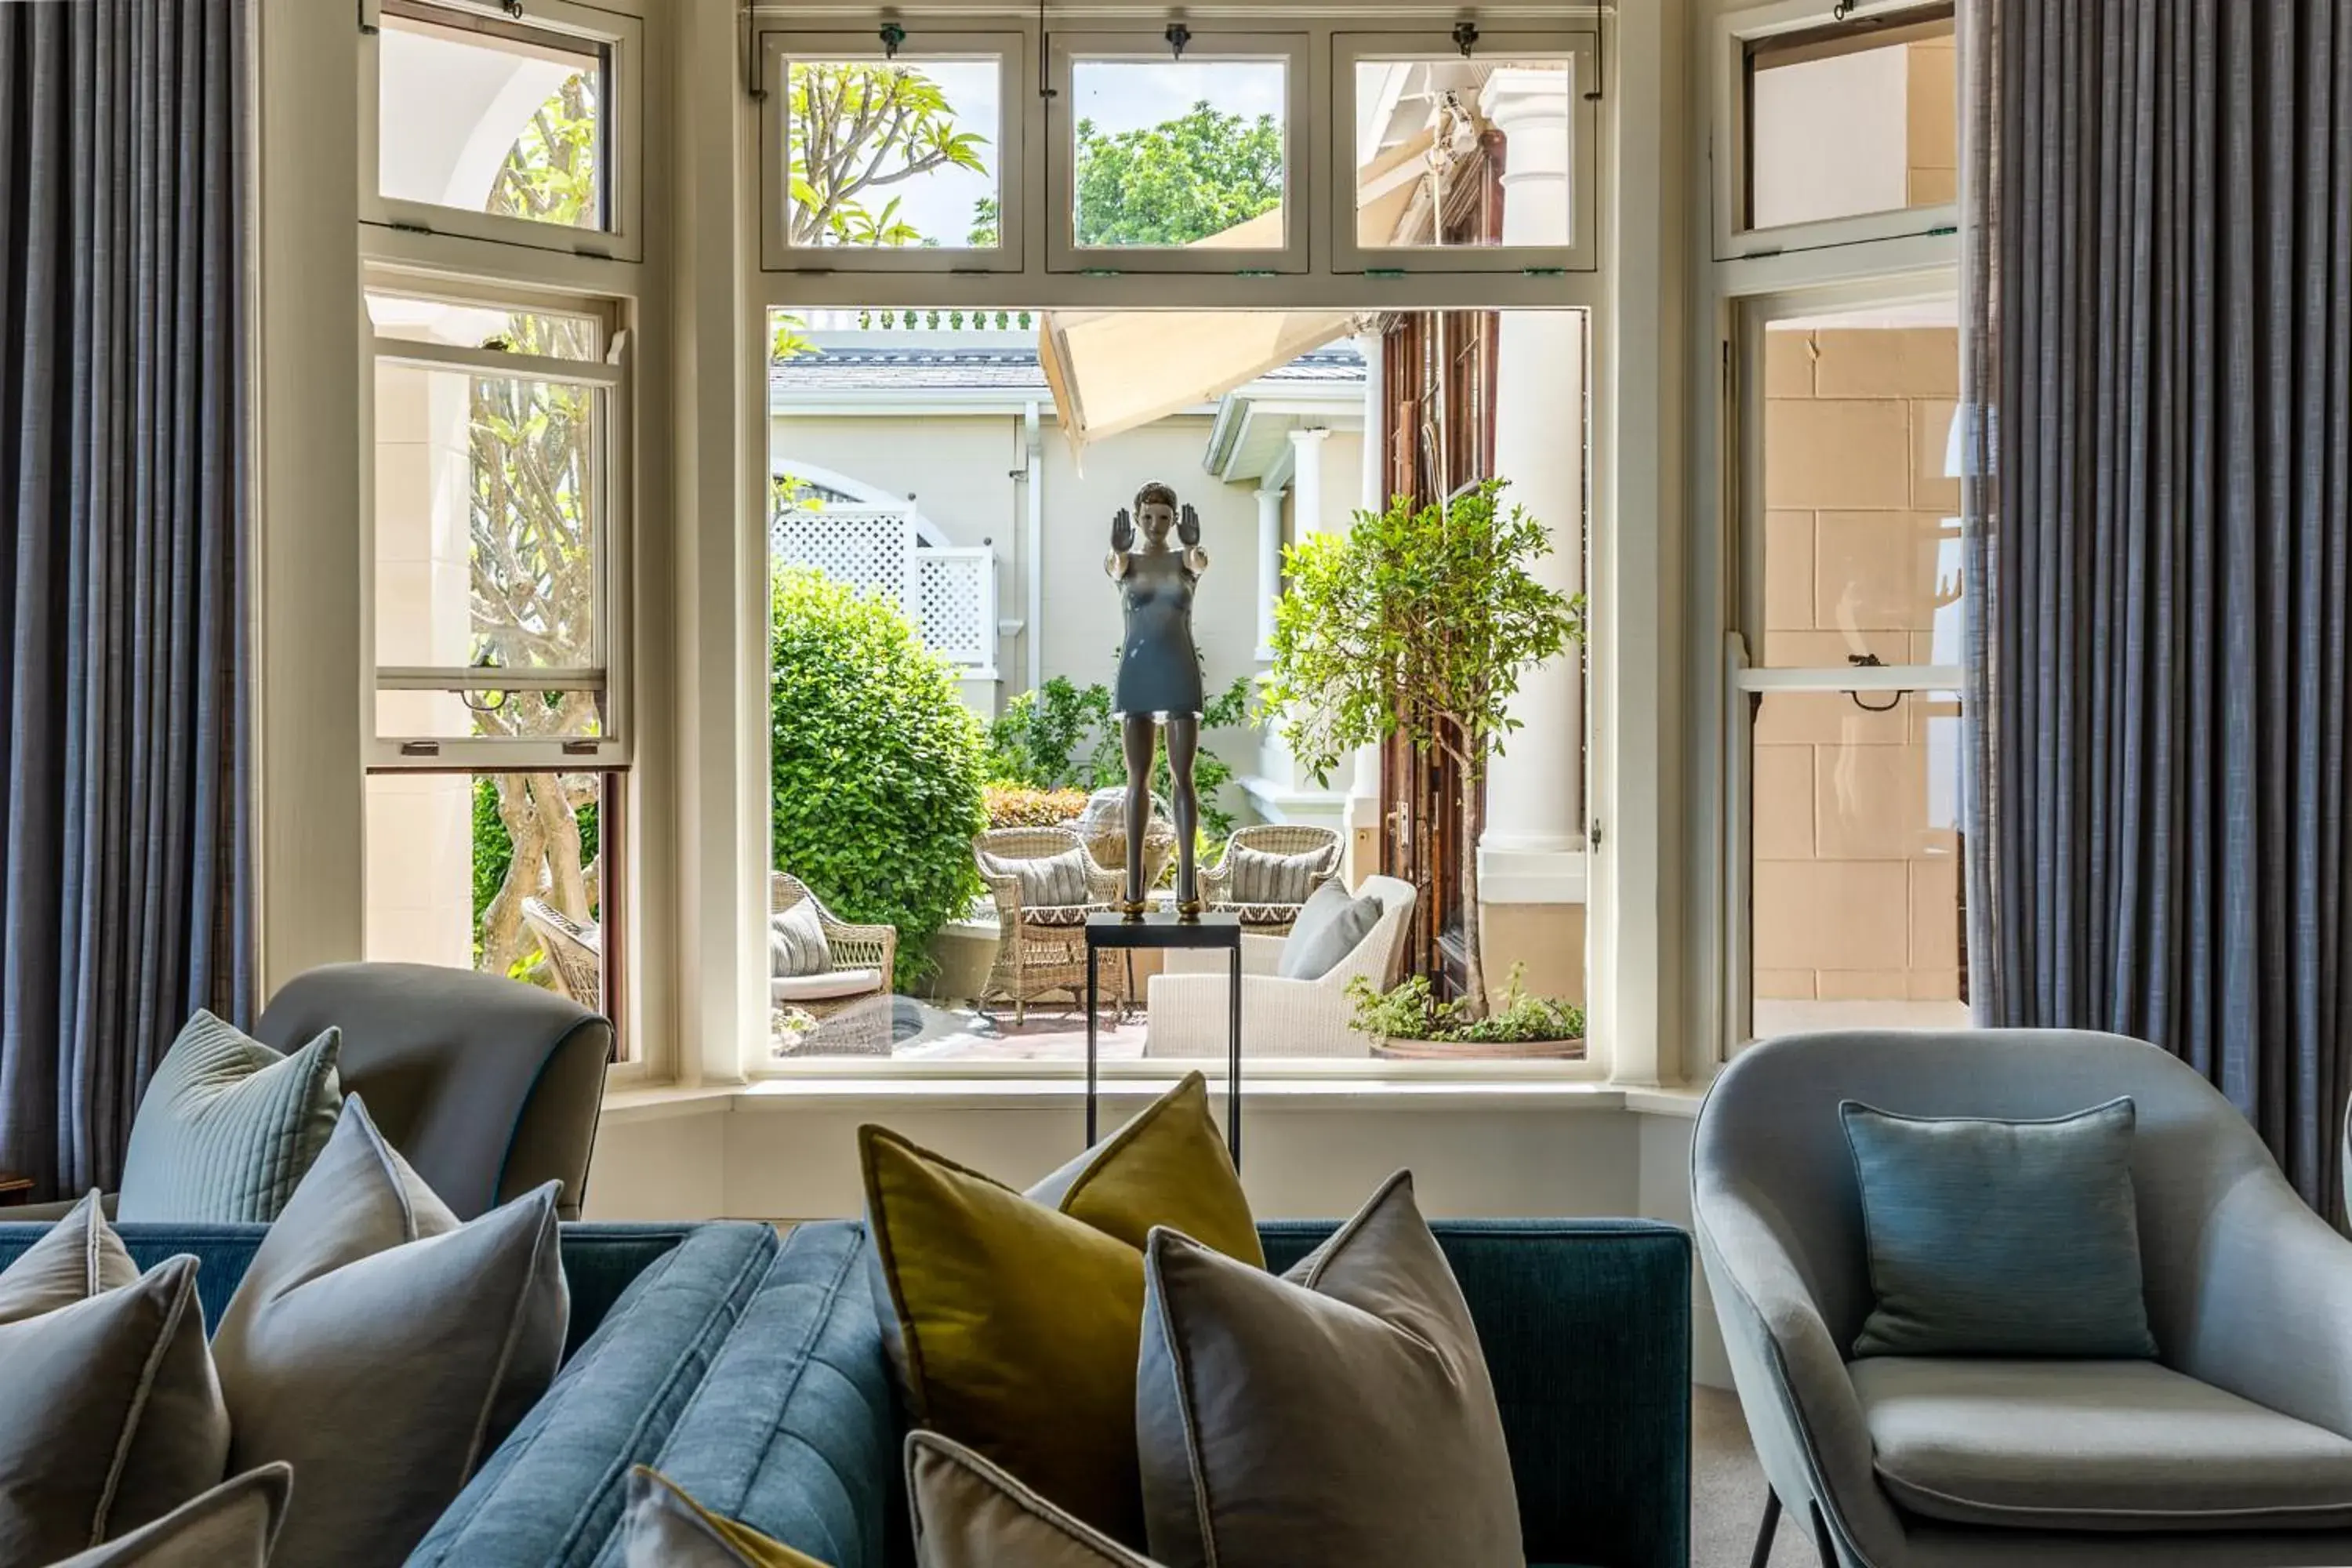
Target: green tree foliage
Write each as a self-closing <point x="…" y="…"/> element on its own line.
<point x="875" y="763"/>
<point x="1179" y="182"/>
<point x="1420" y="622"/>
<point x="1062" y="736"/>
<point x="857" y="132"/>
<point x="987" y="227"/>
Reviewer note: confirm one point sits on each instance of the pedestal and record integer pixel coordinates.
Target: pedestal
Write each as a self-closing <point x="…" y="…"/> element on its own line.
<point x="1161" y="929"/>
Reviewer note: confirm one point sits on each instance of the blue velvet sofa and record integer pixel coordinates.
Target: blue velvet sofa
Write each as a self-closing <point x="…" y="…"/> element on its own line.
<point x="750" y="1370"/>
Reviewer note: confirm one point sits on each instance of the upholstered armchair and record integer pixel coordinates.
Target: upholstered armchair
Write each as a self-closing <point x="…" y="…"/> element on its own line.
<point x="1225" y="886"/>
<point x="1187" y="1013"/>
<point x="2234" y="1448"/>
<point x="1041" y="948"/>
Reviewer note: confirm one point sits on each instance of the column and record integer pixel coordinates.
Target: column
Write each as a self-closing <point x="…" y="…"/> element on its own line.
<point x="1306" y="481"/>
<point x="1371" y="491"/>
<point x="1530" y="852"/>
<point x="1269" y="567"/>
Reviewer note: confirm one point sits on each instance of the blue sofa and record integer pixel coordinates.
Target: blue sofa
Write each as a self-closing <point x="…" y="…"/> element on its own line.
<point x="750" y="1370"/>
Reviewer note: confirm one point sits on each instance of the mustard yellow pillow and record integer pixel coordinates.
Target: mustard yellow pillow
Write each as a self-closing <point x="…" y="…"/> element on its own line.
<point x="664" y="1526"/>
<point x="1014" y="1320"/>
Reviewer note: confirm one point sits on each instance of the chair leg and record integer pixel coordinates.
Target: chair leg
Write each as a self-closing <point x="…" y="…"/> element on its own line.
<point x="1766" y="1530"/>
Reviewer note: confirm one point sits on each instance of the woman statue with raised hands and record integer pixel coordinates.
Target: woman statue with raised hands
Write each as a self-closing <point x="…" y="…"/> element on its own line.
<point x="1159" y="682"/>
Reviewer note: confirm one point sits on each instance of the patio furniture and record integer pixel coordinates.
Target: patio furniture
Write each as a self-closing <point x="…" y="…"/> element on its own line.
<point x="864" y="959"/>
<point x="1103" y="824"/>
<point x="574" y="952"/>
<point x="1224" y="884"/>
<point x="1041" y="948"/>
<point x="1187" y="1011"/>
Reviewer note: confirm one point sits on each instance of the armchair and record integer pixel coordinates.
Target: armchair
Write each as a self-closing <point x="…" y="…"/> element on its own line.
<point x="1187" y="1012"/>
<point x="1041" y="948"/>
<point x="1219" y="883"/>
<point x="864" y="959"/>
<point x="2234" y="1447"/>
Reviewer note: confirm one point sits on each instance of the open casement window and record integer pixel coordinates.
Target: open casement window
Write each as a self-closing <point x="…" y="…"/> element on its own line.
<point x="881" y="158"/>
<point x="1830" y="131"/>
<point x="1486" y="160"/>
<point x="495" y="531"/>
<point x="1165" y="163"/>
<point x="482" y="124"/>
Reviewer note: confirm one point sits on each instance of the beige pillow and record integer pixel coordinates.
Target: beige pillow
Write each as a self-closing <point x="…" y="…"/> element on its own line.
<point x="796" y="943"/>
<point x="77" y="1257"/>
<point x="1047" y="881"/>
<point x="968" y="1513"/>
<point x="1339" y="1414"/>
<point x="230" y="1526"/>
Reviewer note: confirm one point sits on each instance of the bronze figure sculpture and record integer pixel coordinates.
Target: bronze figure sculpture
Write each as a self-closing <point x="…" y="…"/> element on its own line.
<point x="1160" y="685"/>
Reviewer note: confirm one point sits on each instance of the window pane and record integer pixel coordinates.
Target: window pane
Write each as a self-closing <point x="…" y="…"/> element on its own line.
<point x="1174" y="152"/>
<point x="1853" y="124"/>
<point x="1434" y="137"/>
<point x="894" y="154"/>
<point x="487" y="117"/>
<point x="1855" y="848"/>
<point x="501" y="872"/>
<point x="1861" y="532"/>
<point x="463" y="324"/>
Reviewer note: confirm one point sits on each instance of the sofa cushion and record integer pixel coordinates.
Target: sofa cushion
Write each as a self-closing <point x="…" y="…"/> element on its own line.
<point x="228" y="1126"/>
<point x="553" y="1493"/>
<point x="831" y="984"/>
<point x="2093" y="1445"/>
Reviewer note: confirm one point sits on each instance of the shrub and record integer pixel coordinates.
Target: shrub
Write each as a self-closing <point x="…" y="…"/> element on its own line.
<point x="876" y="764"/>
<point x="1413" y="1012"/>
<point x="1062" y="736"/>
<point x="1020" y="806"/>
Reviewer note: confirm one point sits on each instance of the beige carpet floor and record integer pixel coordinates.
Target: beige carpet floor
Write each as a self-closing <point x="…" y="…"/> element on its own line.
<point x="1727" y="1490"/>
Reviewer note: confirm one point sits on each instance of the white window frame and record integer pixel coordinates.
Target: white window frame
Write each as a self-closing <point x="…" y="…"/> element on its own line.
<point x="1733" y="29"/>
<point x="611" y="748"/>
<point x="1581" y="254"/>
<point x="1012" y="51"/>
<point x="621" y="36"/>
<point x="1304" y="199"/>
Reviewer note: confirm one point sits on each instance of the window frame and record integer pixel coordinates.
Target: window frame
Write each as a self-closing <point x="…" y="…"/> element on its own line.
<point x="1580" y="45"/>
<point x="619" y="35"/>
<point x="774" y="50"/>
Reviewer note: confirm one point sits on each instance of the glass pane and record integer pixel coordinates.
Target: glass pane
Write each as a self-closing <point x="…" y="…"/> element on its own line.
<point x="1174" y="152"/>
<point x="1847" y="126"/>
<point x="1855" y="850"/>
<point x="894" y="154"/>
<point x="1434" y="137"/>
<point x="498" y="872"/>
<point x="1861" y="530"/>
<point x="463" y="324"/>
<point x="490" y="118"/>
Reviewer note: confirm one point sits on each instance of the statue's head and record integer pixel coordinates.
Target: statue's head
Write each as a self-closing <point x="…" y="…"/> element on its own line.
<point x="1155" y="512"/>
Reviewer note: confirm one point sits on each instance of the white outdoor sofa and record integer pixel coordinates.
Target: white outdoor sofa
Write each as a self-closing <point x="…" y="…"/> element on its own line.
<point x="1187" y="1011"/>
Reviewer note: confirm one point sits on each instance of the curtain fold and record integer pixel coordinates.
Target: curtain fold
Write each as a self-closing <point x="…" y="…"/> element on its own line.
<point x="2157" y="280"/>
<point x="125" y="851"/>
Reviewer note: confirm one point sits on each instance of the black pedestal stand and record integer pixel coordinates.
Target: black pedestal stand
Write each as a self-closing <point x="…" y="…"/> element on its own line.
<point x="1163" y="930"/>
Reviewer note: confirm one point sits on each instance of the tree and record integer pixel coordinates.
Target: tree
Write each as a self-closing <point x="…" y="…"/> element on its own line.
<point x="1419" y="622"/>
<point x="857" y="131"/>
<point x="1179" y="182"/>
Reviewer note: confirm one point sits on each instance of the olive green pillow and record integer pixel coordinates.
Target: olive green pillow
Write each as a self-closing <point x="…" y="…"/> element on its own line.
<point x="1014" y="1319"/>
<point x="228" y="1127"/>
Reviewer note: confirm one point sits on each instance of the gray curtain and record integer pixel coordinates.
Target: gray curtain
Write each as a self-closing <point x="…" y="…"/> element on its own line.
<point x="2157" y="281"/>
<point x="125" y="881"/>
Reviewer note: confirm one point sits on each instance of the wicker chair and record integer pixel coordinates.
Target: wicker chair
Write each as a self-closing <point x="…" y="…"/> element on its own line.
<point x="1104" y="827"/>
<point x="1270" y="838"/>
<point x="575" y="953"/>
<point x="1042" y="951"/>
<point x="864" y="959"/>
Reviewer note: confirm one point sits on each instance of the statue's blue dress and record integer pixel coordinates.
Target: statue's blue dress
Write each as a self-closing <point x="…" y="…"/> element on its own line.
<point x="1159" y="671"/>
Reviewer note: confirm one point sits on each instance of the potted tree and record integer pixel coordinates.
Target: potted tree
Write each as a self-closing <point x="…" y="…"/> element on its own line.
<point x="1420" y="621"/>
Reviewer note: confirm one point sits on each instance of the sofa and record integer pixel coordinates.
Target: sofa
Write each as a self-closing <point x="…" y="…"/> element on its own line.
<point x="750" y="1369"/>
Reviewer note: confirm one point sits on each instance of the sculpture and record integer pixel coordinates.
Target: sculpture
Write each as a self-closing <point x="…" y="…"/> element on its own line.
<point x="1158" y="685"/>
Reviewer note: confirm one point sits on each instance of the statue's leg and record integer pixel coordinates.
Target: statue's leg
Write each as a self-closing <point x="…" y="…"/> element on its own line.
<point x="1135" y="735"/>
<point x="1183" y="745"/>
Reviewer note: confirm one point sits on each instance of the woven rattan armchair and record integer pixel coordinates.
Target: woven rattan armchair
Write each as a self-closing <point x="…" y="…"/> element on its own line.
<point x="1270" y="838"/>
<point x="1042" y="951"/>
<point x="863" y="957"/>
<point x="575" y="953"/>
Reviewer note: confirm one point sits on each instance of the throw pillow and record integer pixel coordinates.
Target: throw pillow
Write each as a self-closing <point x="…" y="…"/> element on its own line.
<point x="1329" y="927"/>
<point x="230" y="1526"/>
<point x="1339" y="1414"/>
<point x="968" y="1513"/>
<point x="1046" y="881"/>
<point x="796" y="943"/>
<point x="228" y="1127"/>
<point x="1261" y="877"/>
<point x="664" y="1528"/>
<point x="75" y="1258"/>
<point x="1012" y="1321"/>
<point x="383" y="1349"/>
<point x="114" y="1415"/>
<point x="2004" y="1239"/>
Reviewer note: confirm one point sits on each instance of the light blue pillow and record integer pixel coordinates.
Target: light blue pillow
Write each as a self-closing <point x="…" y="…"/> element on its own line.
<point x="228" y="1126"/>
<point x="1999" y="1238"/>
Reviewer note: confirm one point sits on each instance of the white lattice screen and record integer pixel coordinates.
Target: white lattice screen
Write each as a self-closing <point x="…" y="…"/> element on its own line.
<point x="949" y="593"/>
<point x="953" y="604"/>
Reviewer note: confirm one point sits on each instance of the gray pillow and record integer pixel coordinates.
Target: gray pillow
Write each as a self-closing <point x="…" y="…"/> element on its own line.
<point x="796" y="943"/>
<point x="1331" y="926"/>
<point x="2001" y="1238"/>
<point x="383" y="1349"/>
<point x="1047" y="881"/>
<point x="1261" y="877"/>
<point x="228" y="1127"/>
<point x="1339" y="1414"/>
<point x="113" y="1416"/>
<point x="230" y="1526"/>
<point x="74" y="1259"/>
<point x="969" y="1513"/>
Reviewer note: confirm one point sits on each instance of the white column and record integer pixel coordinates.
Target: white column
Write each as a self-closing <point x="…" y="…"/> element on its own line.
<point x="1269" y="567"/>
<point x="1306" y="481"/>
<point x="1531" y="851"/>
<point x="1371" y="491"/>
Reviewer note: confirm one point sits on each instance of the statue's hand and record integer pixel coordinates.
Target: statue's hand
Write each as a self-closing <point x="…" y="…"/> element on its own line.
<point x="1188" y="526"/>
<point x="1122" y="532"/>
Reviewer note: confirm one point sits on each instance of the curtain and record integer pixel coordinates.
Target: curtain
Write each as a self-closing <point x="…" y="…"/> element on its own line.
<point x="125" y="851"/>
<point x="2157" y="300"/>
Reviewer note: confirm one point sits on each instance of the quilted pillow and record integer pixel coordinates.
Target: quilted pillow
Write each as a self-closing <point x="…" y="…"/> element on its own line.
<point x="228" y="1127"/>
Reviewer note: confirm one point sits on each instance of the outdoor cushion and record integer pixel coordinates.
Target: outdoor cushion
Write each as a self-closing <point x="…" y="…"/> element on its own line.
<point x="2093" y="1445"/>
<point x="1331" y="926"/>
<point x="823" y="987"/>
<point x="228" y="1126"/>
<point x="796" y="943"/>
<point x="968" y="1513"/>
<point x="1263" y="878"/>
<point x="1046" y="881"/>
<point x="231" y="1526"/>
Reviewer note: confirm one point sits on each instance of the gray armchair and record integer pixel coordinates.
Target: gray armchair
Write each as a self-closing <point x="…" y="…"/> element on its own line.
<point x="2234" y="1448"/>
